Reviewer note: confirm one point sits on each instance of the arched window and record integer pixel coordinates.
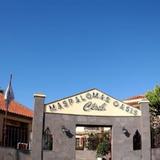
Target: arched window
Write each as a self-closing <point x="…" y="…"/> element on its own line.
<point x="137" y="141"/>
<point x="47" y="139"/>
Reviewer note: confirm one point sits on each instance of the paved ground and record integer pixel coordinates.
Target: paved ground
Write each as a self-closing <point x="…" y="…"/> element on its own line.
<point x="85" y="155"/>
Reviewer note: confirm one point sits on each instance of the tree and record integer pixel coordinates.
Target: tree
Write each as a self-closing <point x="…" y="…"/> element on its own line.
<point x="93" y="141"/>
<point x="104" y="147"/>
<point x="154" y="100"/>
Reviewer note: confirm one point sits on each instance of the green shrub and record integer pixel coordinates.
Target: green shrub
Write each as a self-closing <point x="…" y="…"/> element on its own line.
<point x="103" y="148"/>
<point x="92" y="142"/>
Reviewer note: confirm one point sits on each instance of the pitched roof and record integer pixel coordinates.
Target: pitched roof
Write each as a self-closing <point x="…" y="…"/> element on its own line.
<point x="134" y="100"/>
<point x="16" y="108"/>
<point x="136" y="97"/>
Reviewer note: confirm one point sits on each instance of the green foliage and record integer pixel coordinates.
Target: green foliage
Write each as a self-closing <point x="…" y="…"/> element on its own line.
<point x="106" y="136"/>
<point x="154" y="99"/>
<point x="155" y="133"/>
<point x="99" y="142"/>
<point x="104" y="147"/>
<point x="93" y="141"/>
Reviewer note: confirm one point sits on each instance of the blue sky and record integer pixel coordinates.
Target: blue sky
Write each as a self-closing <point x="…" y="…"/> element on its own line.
<point x="64" y="47"/>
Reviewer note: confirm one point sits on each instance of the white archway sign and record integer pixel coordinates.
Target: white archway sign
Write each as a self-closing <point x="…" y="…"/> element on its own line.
<point x="92" y="103"/>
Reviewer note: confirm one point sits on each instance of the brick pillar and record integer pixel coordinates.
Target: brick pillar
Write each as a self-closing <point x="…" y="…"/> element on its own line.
<point x="145" y="130"/>
<point x="37" y="127"/>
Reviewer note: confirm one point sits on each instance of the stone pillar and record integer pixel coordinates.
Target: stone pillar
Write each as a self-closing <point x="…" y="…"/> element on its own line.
<point x="145" y="130"/>
<point x="37" y="127"/>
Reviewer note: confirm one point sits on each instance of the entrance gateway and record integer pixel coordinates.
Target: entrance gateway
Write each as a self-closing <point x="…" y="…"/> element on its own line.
<point x="54" y="126"/>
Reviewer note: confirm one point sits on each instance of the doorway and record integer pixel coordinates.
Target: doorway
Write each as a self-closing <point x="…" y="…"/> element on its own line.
<point x="93" y="142"/>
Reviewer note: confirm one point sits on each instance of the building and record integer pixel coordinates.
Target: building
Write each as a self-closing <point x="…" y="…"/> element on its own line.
<point x="134" y="101"/>
<point x="83" y="132"/>
<point x="130" y="126"/>
<point x="58" y="132"/>
<point x="18" y="124"/>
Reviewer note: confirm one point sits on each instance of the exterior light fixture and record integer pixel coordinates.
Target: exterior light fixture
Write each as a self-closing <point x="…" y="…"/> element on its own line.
<point x="125" y="132"/>
<point x="64" y="129"/>
<point x="67" y="132"/>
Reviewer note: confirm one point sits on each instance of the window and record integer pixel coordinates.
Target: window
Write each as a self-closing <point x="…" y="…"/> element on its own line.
<point x="137" y="141"/>
<point x="77" y="143"/>
<point x="15" y="133"/>
<point x="47" y="139"/>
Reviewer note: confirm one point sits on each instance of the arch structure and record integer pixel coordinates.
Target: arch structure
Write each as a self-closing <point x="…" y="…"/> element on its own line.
<point x="89" y="108"/>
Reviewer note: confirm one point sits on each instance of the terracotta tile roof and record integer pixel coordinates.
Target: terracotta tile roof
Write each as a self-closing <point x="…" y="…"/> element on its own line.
<point x="16" y="108"/>
<point x="134" y="101"/>
<point x="135" y="97"/>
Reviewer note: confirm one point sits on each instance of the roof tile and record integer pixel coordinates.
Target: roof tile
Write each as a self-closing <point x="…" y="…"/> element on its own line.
<point x="16" y="108"/>
<point x="136" y="97"/>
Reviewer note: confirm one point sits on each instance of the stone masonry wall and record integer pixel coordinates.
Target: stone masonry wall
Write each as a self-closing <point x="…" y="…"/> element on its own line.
<point x="13" y="154"/>
<point x="64" y="147"/>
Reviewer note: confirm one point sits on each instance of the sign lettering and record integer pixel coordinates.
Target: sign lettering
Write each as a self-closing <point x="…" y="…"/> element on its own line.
<point x="93" y="106"/>
<point x="90" y="102"/>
